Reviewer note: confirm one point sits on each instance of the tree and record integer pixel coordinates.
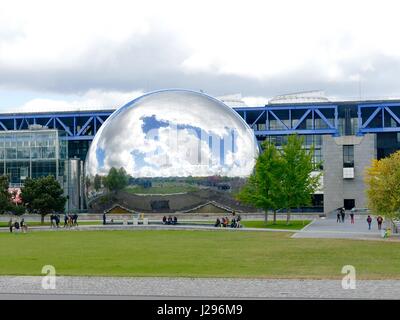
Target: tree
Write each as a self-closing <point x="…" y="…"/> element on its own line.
<point x="97" y="182"/>
<point x="43" y="195"/>
<point x="262" y="187"/>
<point x="17" y="209"/>
<point x="5" y="196"/>
<point x="116" y="180"/>
<point x="297" y="180"/>
<point x="383" y="186"/>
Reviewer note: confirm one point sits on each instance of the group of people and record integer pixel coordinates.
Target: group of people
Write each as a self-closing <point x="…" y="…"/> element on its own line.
<point x="170" y="220"/>
<point x="341" y="214"/>
<point x="18" y="225"/>
<point x="225" y="222"/>
<point x="379" y="220"/>
<point x="70" y="220"/>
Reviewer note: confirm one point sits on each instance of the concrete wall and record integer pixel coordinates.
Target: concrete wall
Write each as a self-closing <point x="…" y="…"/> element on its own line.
<point x="336" y="189"/>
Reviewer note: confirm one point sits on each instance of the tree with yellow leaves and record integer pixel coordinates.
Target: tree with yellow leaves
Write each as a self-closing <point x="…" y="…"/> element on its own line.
<point x="383" y="181"/>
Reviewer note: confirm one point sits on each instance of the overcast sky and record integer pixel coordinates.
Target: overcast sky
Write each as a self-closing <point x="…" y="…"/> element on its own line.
<point x="61" y="54"/>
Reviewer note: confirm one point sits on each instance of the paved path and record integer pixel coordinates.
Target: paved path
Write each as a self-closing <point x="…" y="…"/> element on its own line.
<point x="319" y="228"/>
<point x="194" y="288"/>
<point x="329" y="228"/>
<point x="147" y="227"/>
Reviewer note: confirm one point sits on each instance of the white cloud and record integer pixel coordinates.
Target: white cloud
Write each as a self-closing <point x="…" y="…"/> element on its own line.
<point x="93" y="99"/>
<point x="255" y="101"/>
<point x="256" y="47"/>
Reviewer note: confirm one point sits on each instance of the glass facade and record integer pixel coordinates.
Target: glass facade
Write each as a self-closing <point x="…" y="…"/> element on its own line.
<point x="309" y="140"/>
<point x="33" y="153"/>
<point x="387" y="143"/>
<point x="78" y="149"/>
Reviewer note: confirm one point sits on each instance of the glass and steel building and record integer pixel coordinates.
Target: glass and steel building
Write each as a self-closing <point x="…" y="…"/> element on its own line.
<point x="346" y="134"/>
<point x="33" y="154"/>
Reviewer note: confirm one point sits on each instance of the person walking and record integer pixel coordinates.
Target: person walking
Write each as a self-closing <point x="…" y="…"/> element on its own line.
<point x="338" y="215"/>
<point x="24" y="227"/>
<point x="104" y="219"/>
<point x="75" y="220"/>
<point x="352" y="217"/>
<point x="58" y="220"/>
<point x="10" y="225"/>
<point x="369" y="220"/>
<point x="238" y="219"/>
<point x="379" y="220"/>
<point x="343" y="214"/>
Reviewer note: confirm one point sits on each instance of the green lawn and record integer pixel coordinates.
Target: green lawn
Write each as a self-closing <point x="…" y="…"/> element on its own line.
<point x="165" y="189"/>
<point x="194" y="253"/>
<point x="280" y="224"/>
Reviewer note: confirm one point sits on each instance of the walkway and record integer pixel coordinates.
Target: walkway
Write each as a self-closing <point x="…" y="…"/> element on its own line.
<point x="329" y="228"/>
<point x="23" y="287"/>
<point x="146" y="227"/>
<point x="319" y="228"/>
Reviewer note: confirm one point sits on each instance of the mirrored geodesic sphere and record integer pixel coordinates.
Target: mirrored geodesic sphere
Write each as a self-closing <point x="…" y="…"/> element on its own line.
<point x="171" y="142"/>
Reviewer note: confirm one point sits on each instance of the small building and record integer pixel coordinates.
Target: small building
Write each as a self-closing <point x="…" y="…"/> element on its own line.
<point x="32" y="154"/>
<point x="40" y="152"/>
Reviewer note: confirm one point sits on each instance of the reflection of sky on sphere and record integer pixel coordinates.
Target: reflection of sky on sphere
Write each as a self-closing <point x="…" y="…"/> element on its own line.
<point x="174" y="133"/>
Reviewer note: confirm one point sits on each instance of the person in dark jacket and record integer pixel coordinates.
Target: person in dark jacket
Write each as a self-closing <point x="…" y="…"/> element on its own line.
<point x="10" y="225"/>
<point x="343" y="214"/>
<point x="75" y="220"/>
<point x="369" y="221"/>
<point x="379" y="220"/>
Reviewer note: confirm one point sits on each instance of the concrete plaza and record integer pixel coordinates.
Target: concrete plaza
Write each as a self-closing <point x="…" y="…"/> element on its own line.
<point x="29" y="287"/>
<point x="330" y="228"/>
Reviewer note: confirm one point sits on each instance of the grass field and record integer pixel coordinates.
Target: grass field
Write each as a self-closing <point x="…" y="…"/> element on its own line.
<point x="164" y="189"/>
<point x="280" y="224"/>
<point x="195" y="253"/>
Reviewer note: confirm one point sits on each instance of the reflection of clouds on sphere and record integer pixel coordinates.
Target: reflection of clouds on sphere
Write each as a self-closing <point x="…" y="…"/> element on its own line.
<point x="174" y="133"/>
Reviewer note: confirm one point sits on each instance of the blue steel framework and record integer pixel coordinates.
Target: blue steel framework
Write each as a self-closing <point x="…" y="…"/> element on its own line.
<point x="378" y="117"/>
<point x="282" y="120"/>
<point x="266" y="120"/>
<point x="81" y="125"/>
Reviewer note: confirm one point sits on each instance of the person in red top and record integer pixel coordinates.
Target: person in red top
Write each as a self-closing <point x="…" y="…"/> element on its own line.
<point x="379" y="220"/>
<point x="352" y="217"/>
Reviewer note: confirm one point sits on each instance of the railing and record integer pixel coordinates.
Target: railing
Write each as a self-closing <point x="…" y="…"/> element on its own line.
<point x="265" y="120"/>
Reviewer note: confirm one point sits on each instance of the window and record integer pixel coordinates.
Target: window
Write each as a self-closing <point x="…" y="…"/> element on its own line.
<point x="348" y="156"/>
<point x="349" y="204"/>
<point x="318" y="159"/>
